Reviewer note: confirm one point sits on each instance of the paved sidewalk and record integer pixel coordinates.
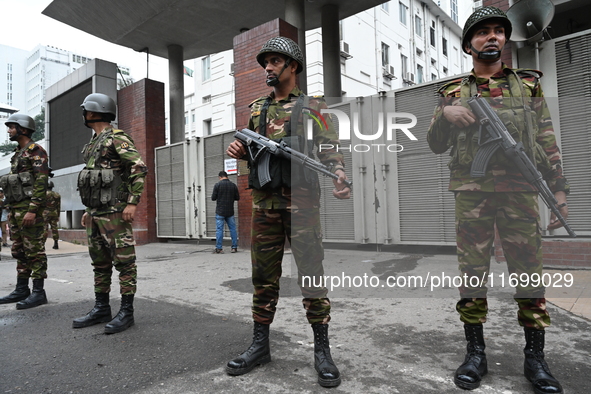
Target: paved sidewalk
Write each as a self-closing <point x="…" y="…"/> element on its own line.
<point x="193" y="314"/>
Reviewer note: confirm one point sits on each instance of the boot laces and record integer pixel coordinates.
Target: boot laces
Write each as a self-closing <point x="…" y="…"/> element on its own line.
<point x="322" y="346"/>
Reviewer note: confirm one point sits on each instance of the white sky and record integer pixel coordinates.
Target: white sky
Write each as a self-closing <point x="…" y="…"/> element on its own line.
<point x="24" y="27"/>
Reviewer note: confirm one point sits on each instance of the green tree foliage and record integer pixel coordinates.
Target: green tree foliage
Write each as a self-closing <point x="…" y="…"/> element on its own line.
<point x="7" y="148"/>
<point x="39" y="133"/>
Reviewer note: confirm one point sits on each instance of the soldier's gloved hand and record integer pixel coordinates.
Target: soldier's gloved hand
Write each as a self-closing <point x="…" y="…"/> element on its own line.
<point x="129" y="213"/>
<point x="341" y="191"/>
<point x="29" y="219"/>
<point x="236" y="150"/>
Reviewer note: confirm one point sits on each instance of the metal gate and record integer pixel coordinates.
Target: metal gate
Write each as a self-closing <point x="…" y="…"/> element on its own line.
<point x="180" y="209"/>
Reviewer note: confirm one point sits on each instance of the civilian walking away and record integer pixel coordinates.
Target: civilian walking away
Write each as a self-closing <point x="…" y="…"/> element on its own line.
<point x="224" y="194"/>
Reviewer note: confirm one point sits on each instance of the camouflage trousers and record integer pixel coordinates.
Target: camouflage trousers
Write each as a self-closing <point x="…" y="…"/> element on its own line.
<point x="111" y="243"/>
<point x="517" y="219"/>
<point x="270" y="227"/>
<point x="28" y="247"/>
<point x="50" y="223"/>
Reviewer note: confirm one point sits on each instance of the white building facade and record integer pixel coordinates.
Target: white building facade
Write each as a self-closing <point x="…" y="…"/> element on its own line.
<point x="397" y="44"/>
<point x="12" y="76"/>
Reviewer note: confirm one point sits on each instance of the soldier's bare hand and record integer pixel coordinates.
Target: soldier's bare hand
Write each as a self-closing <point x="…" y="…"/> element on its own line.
<point x="554" y="222"/>
<point x="459" y="116"/>
<point x="84" y="219"/>
<point x="236" y="150"/>
<point x="341" y="191"/>
<point x="29" y="219"/>
<point x="129" y="213"/>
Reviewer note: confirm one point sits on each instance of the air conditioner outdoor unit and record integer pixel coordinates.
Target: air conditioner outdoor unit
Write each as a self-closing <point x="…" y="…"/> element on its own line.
<point x="410" y="77"/>
<point x="388" y="71"/>
<point x="345" y="50"/>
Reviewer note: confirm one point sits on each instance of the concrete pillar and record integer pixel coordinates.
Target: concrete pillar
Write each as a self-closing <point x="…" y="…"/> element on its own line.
<point x="141" y="115"/>
<point x="176" y="93"/>
<point x="331" y="51"/>
<point x="295" y="15"/>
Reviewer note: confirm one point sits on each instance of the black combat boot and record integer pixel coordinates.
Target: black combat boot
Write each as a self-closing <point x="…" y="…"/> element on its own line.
<point x="55" y="245"/>
<point x="124" y="318"/>
<point x="21" y="292"/>
<point x="469" y="374"/>
<point x="36" y="298"/>
<point x="101" y="313"/>
<point x="328" y="373"/>
<point x="535" y="369"/>
<point x="258" y="352"/>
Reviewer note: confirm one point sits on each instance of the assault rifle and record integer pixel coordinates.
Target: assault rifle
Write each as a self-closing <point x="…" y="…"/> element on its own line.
<point x="499" y="137"/>
<point x="260" y="149"/>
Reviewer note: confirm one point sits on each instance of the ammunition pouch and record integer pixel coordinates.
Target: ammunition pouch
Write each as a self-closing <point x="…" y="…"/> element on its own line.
<point x="100" y="188"/>
<point x="17" y="187"/>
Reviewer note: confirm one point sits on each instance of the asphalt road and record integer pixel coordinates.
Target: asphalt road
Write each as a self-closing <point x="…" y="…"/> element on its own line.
<point x="192" y="315"/>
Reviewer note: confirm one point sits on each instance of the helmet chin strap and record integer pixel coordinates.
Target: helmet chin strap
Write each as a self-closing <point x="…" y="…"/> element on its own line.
<point x="87" y="121"/>
<point x="486" y="55"/>
<point x="273" y="81"/>
<point x="19" y="132"/>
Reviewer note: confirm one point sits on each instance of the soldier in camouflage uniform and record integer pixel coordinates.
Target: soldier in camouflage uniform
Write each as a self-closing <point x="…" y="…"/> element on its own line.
<point x="51" y="214"/>
<point x="501" y="197"/>
<point x="25" y="188"/>
<point x="110" y="186"/>
<point x="288" y="206"/>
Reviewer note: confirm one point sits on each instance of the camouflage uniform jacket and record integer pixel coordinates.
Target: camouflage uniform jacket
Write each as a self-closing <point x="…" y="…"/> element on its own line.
<point x="278" y="114"/>
<point x="32" y="158"/>
<point x="117" y="152"/>
<point x="501" y="175"/>
<point x="53" y="203"/>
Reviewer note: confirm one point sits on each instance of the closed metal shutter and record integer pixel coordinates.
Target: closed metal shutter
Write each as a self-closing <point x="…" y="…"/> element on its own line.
<point x="337" y="216"/>
<point x="573" y="70"/>
<point x="426" y="206"/>
<point x="170" y="191"/>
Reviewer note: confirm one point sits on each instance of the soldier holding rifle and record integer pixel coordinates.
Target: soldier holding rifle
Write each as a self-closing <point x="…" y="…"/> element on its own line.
<point x="501" y="196"/>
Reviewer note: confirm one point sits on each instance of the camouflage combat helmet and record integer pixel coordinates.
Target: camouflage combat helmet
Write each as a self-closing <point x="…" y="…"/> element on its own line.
<point x="100" y="103"/>
<point x="24" y="121"/>
<point x="480" y="15"/>
<point x="284" y="46"/>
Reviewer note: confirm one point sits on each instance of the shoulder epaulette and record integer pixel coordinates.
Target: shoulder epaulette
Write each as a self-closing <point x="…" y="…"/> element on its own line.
<point x="32" y="146"/>
<point x="258" y="99"/>
<point x="117" y="131"/>
<point x="319" y="96"/>
<point x="530" y="71"/>
<point x="444" y="87"/>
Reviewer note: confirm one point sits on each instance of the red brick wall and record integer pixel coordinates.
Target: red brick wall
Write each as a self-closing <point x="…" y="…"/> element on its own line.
<point x="141" y="115"/>
<point x="249" y="79"/>
<point x="558" y="253"/>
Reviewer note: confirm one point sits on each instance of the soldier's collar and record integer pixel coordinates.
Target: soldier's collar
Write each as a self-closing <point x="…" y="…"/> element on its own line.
<point x="505" y="70"/>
